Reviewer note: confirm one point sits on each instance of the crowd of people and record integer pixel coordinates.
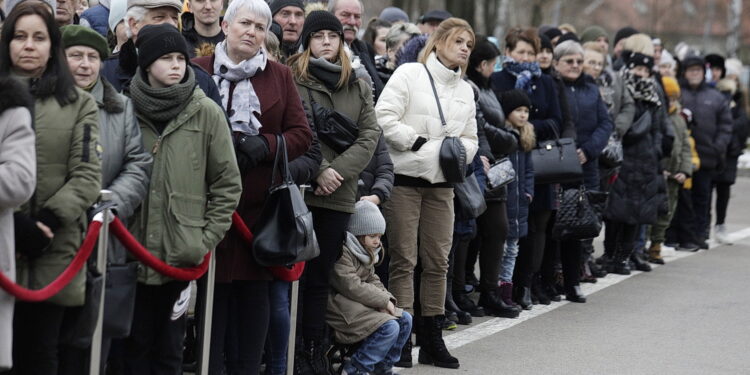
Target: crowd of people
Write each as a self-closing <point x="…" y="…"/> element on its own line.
<point x="184" y="116"/>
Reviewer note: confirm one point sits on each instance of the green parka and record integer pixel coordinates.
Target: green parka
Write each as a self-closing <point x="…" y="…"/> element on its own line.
<point x="195" y="187"/>
<point x="355" y="101"/>
<point x="68" y="183"/>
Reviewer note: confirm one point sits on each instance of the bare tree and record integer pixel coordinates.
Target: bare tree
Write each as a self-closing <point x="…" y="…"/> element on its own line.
<point x="502" y="19"/>
<point x="734" y="27"/>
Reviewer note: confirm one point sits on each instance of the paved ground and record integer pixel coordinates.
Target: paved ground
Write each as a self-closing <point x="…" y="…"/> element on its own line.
<point x="691" y="316"/>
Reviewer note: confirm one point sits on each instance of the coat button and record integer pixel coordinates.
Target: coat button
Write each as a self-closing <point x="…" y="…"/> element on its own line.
<point x="223" y="69"/>
<point x="231" y="112"/>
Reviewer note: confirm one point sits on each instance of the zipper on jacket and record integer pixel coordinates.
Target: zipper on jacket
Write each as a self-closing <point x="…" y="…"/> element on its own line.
<point x="155" y="149"/>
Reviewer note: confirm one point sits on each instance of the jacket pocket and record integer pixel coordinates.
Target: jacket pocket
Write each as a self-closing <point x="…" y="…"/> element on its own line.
<point x="184" y="237"/>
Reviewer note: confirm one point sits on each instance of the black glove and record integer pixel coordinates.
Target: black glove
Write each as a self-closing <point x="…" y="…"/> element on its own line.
<point x="30" y="240"/>
<point x="251" y="150"/>
<point x="418" y="143"/>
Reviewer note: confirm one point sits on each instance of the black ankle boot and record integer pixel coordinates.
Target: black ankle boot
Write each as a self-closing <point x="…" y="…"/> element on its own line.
<point x="492" y="303"/>
<point x="640" y="264"/>
<point x="433" y="350"/>
<point x="405" y="360"/>
<point x="596" y="269"/>
<point x="466" y="304"/>
<point x="574" y="294"/>
<point x="462" y="317"/>
<point x="301" y="361"/>
<point x="538" y="291"/>
<point x="316" y="354"/>
<point x="523" y="298"/>
<point x="619" y="267"/>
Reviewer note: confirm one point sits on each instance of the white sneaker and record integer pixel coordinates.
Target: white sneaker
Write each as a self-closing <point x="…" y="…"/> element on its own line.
<point x="722" y="237"/>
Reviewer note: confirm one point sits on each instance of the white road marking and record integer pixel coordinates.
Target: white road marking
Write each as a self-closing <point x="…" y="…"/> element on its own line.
<point x="495" y="325"/>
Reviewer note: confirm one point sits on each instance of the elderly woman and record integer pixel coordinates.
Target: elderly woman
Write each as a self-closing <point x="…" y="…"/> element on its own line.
<point x="50" y="227"/>
<point x="521" y="71"/>
<point x="395" y="38"/>
<point x="125" y="164"/>
<point x="420" y="212"/>
<point x="262" y="103"/>
<point x="593" y="126"/>
<point x="324" y="77"/>
<point x="637" y="196"/>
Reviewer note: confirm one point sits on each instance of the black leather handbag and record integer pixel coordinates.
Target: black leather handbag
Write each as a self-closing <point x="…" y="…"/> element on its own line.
<point x="119" y="299"/>
<point x="452" y="151"/>
<point x="283" y="234"/>
<point x="577" y="218"/>
<point x="334" y="128"/>
<point x="469" y="199"/>
<point x="556" y="162"/>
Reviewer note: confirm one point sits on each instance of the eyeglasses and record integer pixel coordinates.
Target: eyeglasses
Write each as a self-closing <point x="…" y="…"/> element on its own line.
<point x="322" y="35"/>
<point x="571" y="61"/>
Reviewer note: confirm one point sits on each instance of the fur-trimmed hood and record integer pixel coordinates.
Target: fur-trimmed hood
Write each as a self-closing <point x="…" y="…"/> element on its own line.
<point x="14" y="94"/>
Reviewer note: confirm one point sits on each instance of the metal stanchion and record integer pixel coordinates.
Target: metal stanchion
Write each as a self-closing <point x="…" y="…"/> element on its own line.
<point x="207" y="317"/>
<point x="293" y="314"/>
<point x="101" y="267"/>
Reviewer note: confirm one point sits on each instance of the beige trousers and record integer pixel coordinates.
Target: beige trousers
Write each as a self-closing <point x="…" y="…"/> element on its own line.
<point x="424" y="216"/>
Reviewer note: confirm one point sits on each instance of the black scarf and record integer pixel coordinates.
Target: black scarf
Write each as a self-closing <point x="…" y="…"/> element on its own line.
<point x="328" y="73"/>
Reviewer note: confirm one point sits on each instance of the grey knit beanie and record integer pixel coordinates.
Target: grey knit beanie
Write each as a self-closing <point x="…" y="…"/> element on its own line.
<point x="367" y="219"/>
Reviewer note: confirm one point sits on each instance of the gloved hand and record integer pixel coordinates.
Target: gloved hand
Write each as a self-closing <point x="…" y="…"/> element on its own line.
<point x="418" y="143"/>
<point x="30" y="239"/>
<point x="251" y="150"/>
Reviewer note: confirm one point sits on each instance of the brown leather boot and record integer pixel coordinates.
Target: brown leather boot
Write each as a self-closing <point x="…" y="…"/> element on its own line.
<point x="654" y="254"/>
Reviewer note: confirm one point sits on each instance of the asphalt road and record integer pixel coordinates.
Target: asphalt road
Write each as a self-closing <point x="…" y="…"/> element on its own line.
<point x="691" y="316"/>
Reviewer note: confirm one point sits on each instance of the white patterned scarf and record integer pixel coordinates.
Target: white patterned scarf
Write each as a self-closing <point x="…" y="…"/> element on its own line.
<point x="245" y="103"/>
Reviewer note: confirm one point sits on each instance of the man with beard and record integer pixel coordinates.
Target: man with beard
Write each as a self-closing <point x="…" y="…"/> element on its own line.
<point x="201" y="27"/>
<point x="290" y="15"/>
<point x="349" y="12"/>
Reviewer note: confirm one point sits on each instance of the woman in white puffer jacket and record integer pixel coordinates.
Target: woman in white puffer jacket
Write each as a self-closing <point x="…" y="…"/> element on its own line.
<point x="421" y="206"/>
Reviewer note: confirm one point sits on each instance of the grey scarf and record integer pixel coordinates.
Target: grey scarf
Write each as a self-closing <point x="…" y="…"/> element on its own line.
<point x="245" y="102"/>
<point x="359" y="252"/>
<point x="161" y="104"/>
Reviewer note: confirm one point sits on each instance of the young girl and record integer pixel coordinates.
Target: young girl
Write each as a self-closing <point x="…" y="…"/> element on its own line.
<point x="516" y="107"/>
<point x="359" y="306"/>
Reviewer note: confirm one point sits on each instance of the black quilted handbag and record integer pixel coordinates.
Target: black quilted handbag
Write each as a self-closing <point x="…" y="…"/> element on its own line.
<point x="452" y="152"/>
<point x="577" y="218"/>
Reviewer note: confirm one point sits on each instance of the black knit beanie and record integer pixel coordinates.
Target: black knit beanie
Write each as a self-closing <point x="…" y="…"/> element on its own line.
<point x="545" y="43"/>
<point x="277" y="5"/>
<point x="155" y="41"/>
<point x="625" y="32"/>
<point x="512" y="100"/>
<point x="568" y="36"/>
<point x="319" y="20"/>
<point x="552" y="33"/>
<point x="636" y="59"/>
<point x="693" y="60"/>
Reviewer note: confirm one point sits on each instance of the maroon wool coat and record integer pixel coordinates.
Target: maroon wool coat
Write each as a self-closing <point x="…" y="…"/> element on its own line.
<point x="282" y="113"/>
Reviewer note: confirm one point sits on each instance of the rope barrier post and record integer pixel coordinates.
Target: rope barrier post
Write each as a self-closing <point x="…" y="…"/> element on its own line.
<point x="293" y="313"/>
<point x="101" y="267"/>
<point x="207" y="317"/>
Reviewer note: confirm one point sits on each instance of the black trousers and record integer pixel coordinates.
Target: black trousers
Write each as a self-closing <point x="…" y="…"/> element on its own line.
<point x="36" y="333"/>
<point x="493" y="231"/>
<point x="456" y="278"/>
<point x="619" y="239"/>
<point x="701" y="196"/>
<point x="156" y="340"/>
<point x="238" y="331"/>
<point x="330" y="229"/>
<point x="531" y="249"/>
<point x="680" y="230"/>
<point x="723" y="193"/>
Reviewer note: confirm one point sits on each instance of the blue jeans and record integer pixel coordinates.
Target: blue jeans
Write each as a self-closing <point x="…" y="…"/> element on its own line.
<point x="382" y="348"/>
<point x="508" y="263"/>
<point x="278" y="330"/>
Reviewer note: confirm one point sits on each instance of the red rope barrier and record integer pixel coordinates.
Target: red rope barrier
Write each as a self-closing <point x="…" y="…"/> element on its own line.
<point x="63" y="279"/>
<point x="289" y="274"/>
<point x="143" y="255"/>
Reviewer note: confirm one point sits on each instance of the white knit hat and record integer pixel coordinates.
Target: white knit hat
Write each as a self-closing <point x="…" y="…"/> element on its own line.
<point x="367" y="219"/>
<point x="733" y="66"/>
<point x="117" y="11"/>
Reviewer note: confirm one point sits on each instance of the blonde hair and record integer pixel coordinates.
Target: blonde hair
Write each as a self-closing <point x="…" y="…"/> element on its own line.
<point x="300" y="65"/>
<point x="639" y="43"/>
<point x="594" y="46"/>
<point x="311" y="7"/>
<point x="568" y="27"/>
<point x="447" y="31"/>
<point x="527" y="135"/>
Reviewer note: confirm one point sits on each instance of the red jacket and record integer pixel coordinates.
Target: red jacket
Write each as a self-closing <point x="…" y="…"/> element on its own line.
<point x="282" y="113"/>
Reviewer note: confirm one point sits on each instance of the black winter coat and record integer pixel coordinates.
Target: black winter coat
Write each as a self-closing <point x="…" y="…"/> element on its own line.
<point x="377" y="177"/>
<point x="713" y="123"/>
<point x="639" y="193"/>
